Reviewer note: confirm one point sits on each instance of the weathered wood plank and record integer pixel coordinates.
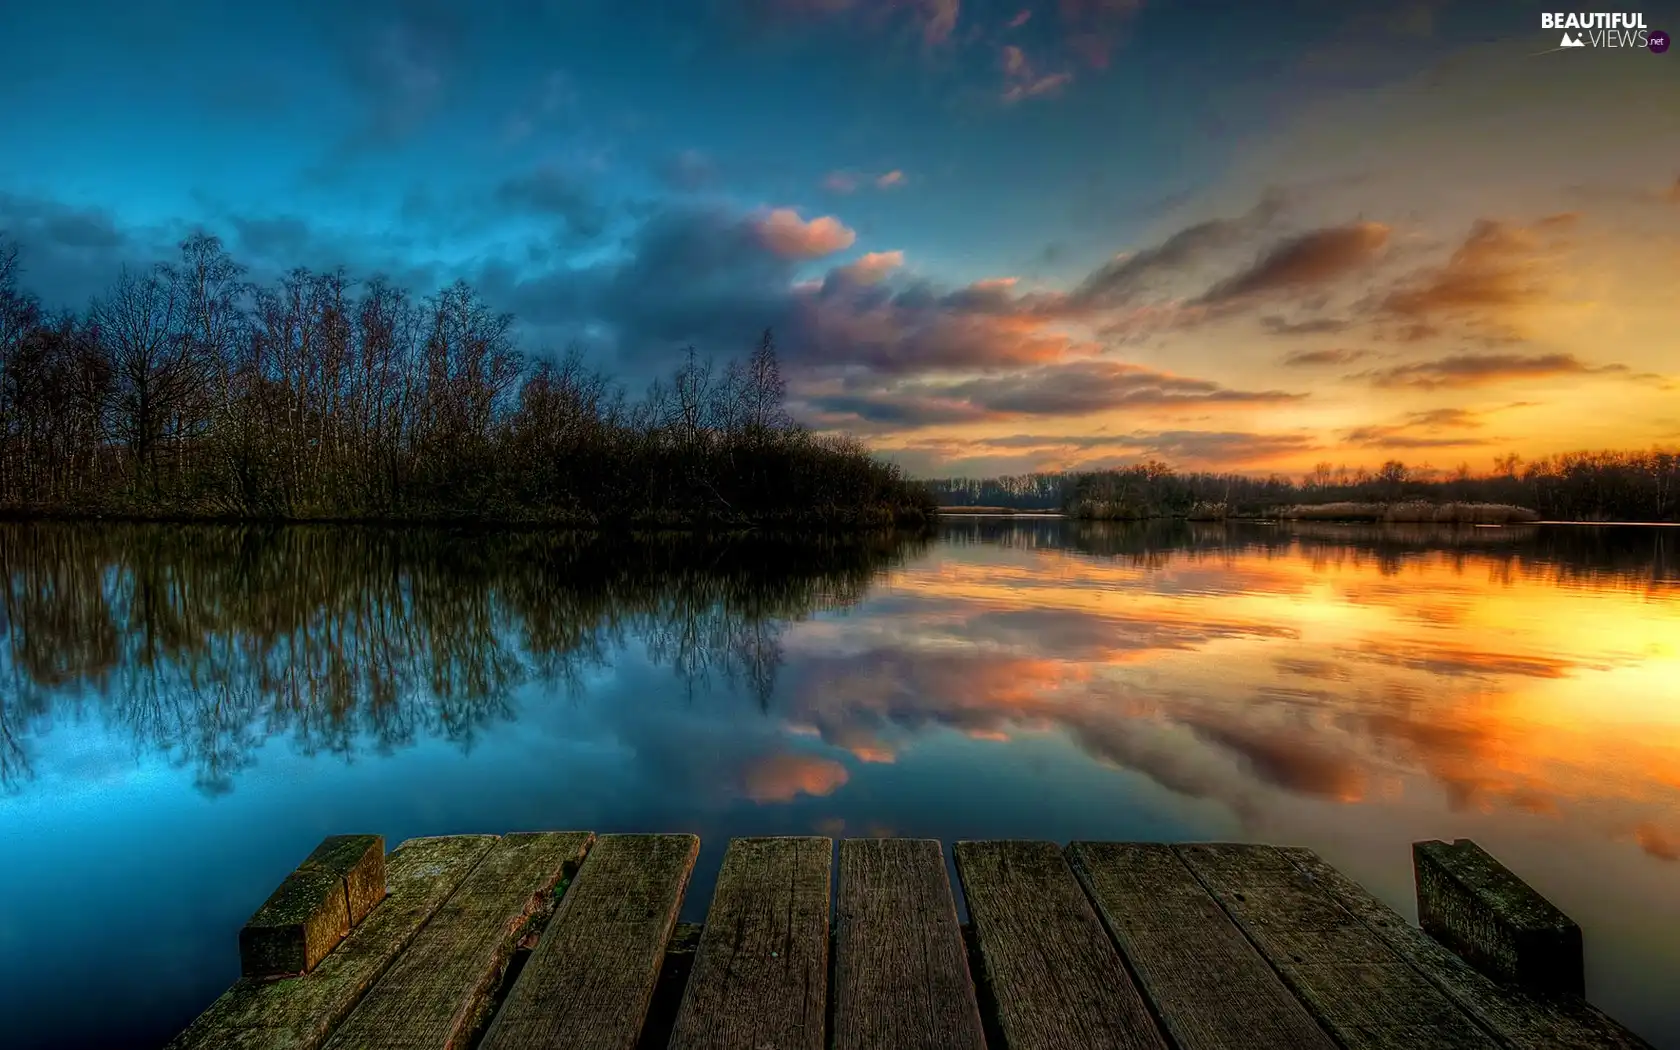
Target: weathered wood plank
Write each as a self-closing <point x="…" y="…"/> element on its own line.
<point x="1358" y="988"/>
<point x="1056" y="980"/>
<point x="761" y="973"/>
<point x="588" y="984"/>
<point x="360" y="861"/>
<point x="1480" y="909"/>
<point x="298" y="1013"/>
<point x="437" y="992"/>
<point x="901" y="979"/>
<point x="302" y="920"/>
<point x="1521" y="1020"/>
<point x="1209" y="986"/>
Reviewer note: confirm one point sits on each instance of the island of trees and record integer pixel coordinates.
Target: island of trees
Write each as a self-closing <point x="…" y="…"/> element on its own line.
<point x="187" y="391"/>
<point x="1577" y="486"/>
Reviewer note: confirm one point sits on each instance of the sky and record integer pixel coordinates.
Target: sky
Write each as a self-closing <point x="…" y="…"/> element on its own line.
<point x="990" y="237"/>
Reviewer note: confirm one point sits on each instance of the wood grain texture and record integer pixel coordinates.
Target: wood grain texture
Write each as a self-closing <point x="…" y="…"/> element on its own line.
<point x="1365" y="994"/>
<point x="1056" y="980"/>
<point x="299" y="1013"/>
<point x="901" y="979"/>
<point x="438" y="991"/>
<point x="760" y="975"/>
<point x="1521" y="1020"/>
<point x="359" y="860"/>
<point x="588" y="984"/>
<point x="1210" y="988"/>
<point x="302" y="920"/>
<point x="1500" y="924"/>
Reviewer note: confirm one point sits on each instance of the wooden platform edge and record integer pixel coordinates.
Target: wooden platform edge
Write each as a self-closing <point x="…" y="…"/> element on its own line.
<point x="1494" y="920"/>
<point x="1519" y="1019"/>
<point x="298" y="1013"/>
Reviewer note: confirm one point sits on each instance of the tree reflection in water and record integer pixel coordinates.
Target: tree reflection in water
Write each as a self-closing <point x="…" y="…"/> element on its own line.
<point x="204" y="642"/>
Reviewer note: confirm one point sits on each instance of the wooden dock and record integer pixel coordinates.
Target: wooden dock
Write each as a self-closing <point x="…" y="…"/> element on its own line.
<point x="570" y="941"/>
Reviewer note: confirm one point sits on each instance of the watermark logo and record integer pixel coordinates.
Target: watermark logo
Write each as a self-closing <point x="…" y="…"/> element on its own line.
<point x="1580" y="29"/>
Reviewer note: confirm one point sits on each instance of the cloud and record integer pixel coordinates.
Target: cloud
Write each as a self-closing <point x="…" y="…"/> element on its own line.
<point x="1310" y="358"/>
<point x="1126" y="278"/>
<point x="1092" y="28"/>
<point x="1497" y="270"/>
<point x="934" y="20"/>
<point x="1314" y="326"/>
<point x="1313" y="258"/>
<point x="1022" y="81"/>
<point x="402" y="63"/>
<point x="552" y="192"/>
<point x="554" y="97"/>
<point x="1419" y="430"/>
<point x="847" y="181"/>
<point x="939" y="19"/>
<point x="784" y="777"/>
<point x="786" y="234"/>
<point x="869" y="268"/>
<point x="687" y="171"/>
<point x="1470" y="370"/>
<point x="1085" y="387"/>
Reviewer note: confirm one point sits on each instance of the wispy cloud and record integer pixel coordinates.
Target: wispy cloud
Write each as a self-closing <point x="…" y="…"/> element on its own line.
<point x="1469" y="370"/>
<point x="1022" y="81"/>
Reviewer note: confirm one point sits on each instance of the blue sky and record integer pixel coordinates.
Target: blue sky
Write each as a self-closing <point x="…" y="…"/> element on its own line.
<point x="913" y="192"/>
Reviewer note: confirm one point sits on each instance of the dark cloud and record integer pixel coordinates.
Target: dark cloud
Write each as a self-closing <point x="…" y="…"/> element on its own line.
<point x="281" y="238"/>
<point x="1498" y="268"/>
<point x="1310" y="358"/>
<point x="1093" y="386"/>
<point x="1224" y="447"/>
<point x="1286" y="759"/>
<point x="1316" y="326"/>
<point x="899" y="411"/>
<point x="1420" y="430"/>
<point x="1310" y="259"/>
<point x="402" y="58"/>
<point x="1126" y="278"/>
<point x="1468" y="370"/>
<point x="687" y="171"/>
<point x="1080" y="387"/>
<point x="66" y="255"/>
<point x="558" y="194"/>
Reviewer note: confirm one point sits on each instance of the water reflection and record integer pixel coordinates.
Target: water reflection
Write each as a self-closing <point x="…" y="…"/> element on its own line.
<point x="1348" y="689"/>
<point x="202" y="643"/>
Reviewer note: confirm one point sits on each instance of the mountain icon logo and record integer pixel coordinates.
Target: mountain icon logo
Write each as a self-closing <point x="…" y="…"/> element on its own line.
<point x="1570" y="41"/>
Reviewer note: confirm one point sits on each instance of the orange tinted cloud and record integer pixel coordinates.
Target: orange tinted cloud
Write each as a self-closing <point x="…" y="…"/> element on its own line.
<point x="1022" y="81"/>
<point x="1468" y="370"/>
<point x="783" y="777"/>
<point x="782" y="231"/>
<point x="870" y="267"/>
<point x="1313" y="258"/>
<point x="1500" y="267"/>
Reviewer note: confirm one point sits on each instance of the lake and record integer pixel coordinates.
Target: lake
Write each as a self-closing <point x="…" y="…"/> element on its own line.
<point x="186" y="711"/>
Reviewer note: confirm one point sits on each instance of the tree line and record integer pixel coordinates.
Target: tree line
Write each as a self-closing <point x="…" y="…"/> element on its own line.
<point x="1572" y="486"/>
<point x="189" y="390"/>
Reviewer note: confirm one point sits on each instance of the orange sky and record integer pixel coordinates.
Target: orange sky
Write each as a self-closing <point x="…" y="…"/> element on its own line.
<point x="1478" y="259"/>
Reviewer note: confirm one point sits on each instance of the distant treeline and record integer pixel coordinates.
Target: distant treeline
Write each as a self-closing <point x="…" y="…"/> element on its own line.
<point x="1576" y="486"/>
<point x="188" y="391"/>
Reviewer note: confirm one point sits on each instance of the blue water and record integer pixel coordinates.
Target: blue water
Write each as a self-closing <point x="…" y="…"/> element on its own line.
<point x="186" y="712"/>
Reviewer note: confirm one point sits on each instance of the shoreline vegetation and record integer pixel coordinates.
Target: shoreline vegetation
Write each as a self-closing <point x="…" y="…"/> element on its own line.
<point x="1607" y="486"/>
<point x="188" y="393"/>
<point x="1410" y="512"/>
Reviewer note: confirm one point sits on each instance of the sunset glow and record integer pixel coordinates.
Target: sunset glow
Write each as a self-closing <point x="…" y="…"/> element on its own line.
<point x="991" y="238"/>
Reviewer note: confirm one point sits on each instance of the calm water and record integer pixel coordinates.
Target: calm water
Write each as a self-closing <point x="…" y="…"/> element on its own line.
<point x="185" y="712"/>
